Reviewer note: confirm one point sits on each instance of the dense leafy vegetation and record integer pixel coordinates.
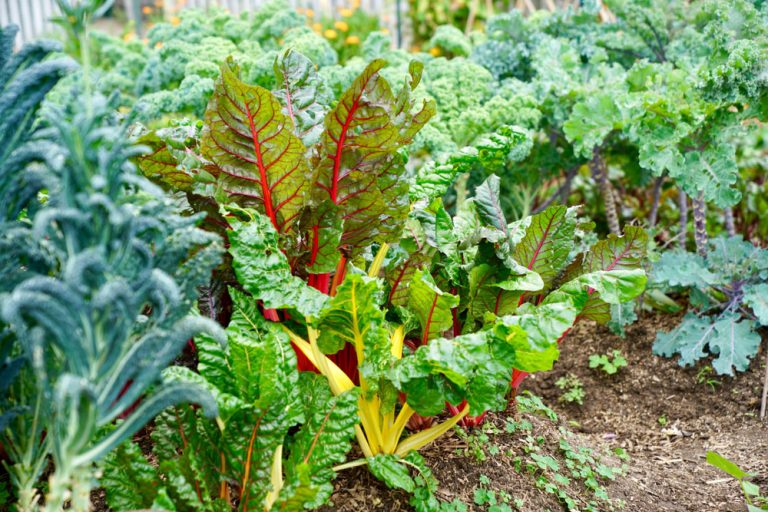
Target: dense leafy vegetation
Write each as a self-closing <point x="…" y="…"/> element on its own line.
<point x="347" y="241"/>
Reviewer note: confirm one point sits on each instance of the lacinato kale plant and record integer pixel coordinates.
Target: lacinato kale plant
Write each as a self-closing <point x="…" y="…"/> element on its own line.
<point x="100" y="277"/>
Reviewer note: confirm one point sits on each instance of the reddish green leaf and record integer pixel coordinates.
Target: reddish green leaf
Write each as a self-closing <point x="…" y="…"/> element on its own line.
<point x="547" y="242"/>
<point x="359" y="165"/>
<point x="161" y="166"/>
<point x="259" y="161"/>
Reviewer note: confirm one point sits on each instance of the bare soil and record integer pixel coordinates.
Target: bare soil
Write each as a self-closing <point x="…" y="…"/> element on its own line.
<point x="657" y="411"/>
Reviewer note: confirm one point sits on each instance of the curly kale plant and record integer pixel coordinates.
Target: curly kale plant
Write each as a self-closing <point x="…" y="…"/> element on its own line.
<point x="100" y="276"/>
<point x="728" y="293"/>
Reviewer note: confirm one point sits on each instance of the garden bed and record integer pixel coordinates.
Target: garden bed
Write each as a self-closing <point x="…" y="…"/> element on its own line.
<point x="667" y="470"/>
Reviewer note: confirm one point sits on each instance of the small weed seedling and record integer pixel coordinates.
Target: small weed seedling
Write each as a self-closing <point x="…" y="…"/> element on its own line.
<point x="574" y="390"/>
<point x="608" y="363"/>
<point x="496" y="501"/>
<point x="663" y="420"/>
<point x="755" y="501"/>
<point x="479" y="442"/>
<point x="704" y="376"/>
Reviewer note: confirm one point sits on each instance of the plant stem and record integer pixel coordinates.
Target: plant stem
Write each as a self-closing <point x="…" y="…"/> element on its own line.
<point x="730" y="225"/>
<point x="600" y="175"/>
<point x="653" y="217"/>
<point x="350" y="464"/>
<point x="682" y="204"/>
<point x="700" y="224"/>
<point x="764" y="401"/>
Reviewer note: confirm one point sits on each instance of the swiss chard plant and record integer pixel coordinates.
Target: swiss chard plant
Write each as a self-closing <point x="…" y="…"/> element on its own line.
<point x="457" y="275"/>
<point x="728" y="296"/>
<point x="393" y="382"/>
<point x="275" y="442"/>
<point x="330" y="179"/>
<point x="100" y="277"/>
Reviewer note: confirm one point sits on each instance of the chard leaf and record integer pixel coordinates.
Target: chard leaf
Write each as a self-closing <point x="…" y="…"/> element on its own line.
<point x="614" y="253"/>
<point x="488" y="204"/>
<point x="354" y="315"/>
<point x="473" y="367"/>
<point x="304" y="96"/>
<point x="322" y="441"/>
<point x="431" y="305"/>
<point x="495" y="289"/>
<point x="392" y="472"/>
<point x="263" y="270"/>
<point x="161" y="166"/>
<point x="359" y="165"/>
<point x="130" y="481"/>
<point x="547" y="242"/>
<point x="259" y="161"/>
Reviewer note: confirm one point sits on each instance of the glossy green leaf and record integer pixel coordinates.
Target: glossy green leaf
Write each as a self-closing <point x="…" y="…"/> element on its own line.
<point x="431" y="305"/>
<point x="263" y="270"/>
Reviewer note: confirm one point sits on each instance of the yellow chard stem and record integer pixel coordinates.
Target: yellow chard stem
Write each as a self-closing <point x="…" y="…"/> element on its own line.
<point x="276" y="478"/>
<point x="373" y="271"/>
<point x="397" y="428"/>
<point x="418" y="441"/>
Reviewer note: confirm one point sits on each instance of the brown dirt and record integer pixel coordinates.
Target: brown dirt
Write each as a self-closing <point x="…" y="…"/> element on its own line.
<point x="668" y="464"/>
<point x="667" y="470"/>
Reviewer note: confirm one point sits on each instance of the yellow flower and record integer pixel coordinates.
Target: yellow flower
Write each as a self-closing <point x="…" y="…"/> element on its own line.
<point x="129" y="36"/>
<point x="435" y="52"/>
<point x="385" y="30"/>
<point x="175" y="20"/>
<point x="330" y="34"/>
<point x="146" y="9"/>
<point x="310" y="13"/>
<point x="345" y="12"/>
<point x="355" y="4"/>
<point x="341" y="25"/>
<point x="317" y="27"/>
<point x="352" y="40"/>
<point x="159" y="44"/>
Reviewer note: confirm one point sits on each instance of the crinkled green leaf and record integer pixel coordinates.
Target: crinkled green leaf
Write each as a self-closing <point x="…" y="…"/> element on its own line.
<point x="263" y="270"/>
<point x="732" y="339"/>
<point x="304" y="96"/>
<point x="756" y="297"/>
<point x="322" y="441"/>
<point x="591" y="121"/>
